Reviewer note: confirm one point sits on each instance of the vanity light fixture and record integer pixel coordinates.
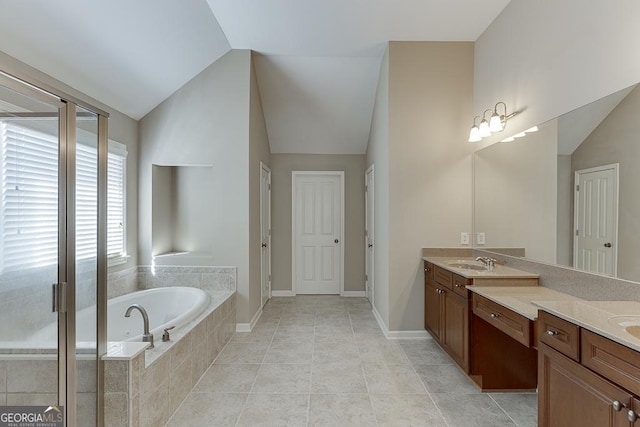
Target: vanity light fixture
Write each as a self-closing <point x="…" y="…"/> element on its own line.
<point x="474" y="134"/>
<point x="510" y="139"/>
<point x="520" y="135"/>
<point x="496" y="123"/>
<point x="533" y="129"/>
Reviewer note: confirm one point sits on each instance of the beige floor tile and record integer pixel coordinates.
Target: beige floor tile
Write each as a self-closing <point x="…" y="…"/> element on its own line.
<point x="521" y="407"/>
<point x="341" y="410"/>
<point x="228" y="379"/>
<point x="337" y="378"/>
<point x="294" y="333"/>
<point x="236" y="353"/>
<point x="327" y="352"/>
<point x="389" y="353"/>
<point x="290" y="352"/>
<point x="334" y="334"/>
<point x="445" y="379"/>
<point x="275" y="410"/>
<point x="208" y="409"/>
<point x="478" y="410"/>
<point x="283" y="378"/>
<point x="406" y="410"/>
<point x="392" y="379"/>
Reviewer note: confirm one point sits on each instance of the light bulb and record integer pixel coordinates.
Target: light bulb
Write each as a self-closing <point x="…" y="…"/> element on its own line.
<point x="484" y="129"/>
<point x="510" y="139"/>
<point x="533" y="129"/>
<point x="495" y="124"/>
<point x="519" y="135"/>
<point x="474" y="135"/>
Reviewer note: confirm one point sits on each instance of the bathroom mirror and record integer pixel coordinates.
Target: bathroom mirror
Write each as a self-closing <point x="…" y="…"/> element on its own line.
<point x="526" y="190"/>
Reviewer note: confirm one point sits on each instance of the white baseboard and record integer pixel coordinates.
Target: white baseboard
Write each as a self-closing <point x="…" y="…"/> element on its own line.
<point x="282" y="294"/>
<point x="358" y="294"/>
<point x="248" y="327"/>
<point x="396" y="335"/>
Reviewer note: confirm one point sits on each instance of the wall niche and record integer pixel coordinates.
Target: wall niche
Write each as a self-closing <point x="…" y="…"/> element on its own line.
<point x="181" y="208"/>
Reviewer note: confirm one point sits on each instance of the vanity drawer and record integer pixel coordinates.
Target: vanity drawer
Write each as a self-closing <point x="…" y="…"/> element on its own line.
<point x="428" y="270"/>
<point x="511" y="323"/>
<point x="459" y="285"/>
<point x="443" y="277"/>
<point x="613" y="361"/>
<point x="559" y="334"/>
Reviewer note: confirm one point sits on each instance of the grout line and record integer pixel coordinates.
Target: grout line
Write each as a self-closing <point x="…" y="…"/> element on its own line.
<point x="424" y="386"/>
<point x="502" y="409"/>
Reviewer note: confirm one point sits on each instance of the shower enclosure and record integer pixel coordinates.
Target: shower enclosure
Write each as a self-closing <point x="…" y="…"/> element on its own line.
<point x="53" y="181"/>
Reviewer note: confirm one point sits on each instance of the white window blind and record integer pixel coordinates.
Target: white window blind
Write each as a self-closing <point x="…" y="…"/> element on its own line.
<point x="29" y="177"/>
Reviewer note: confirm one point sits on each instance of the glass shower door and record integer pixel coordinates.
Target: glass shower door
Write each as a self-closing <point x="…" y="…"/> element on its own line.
<point x="32" y="245"/>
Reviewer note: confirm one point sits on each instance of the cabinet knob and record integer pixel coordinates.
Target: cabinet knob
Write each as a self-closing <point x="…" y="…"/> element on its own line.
<point x="632" y="416"/>
<point x="552" y="333"/>
<point x="458" y="285"/>
<point x="495" y="315"/>
<point x="617" y="405"/>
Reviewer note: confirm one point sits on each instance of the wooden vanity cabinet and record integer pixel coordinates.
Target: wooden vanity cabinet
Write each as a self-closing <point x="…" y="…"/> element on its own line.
<point x="585" y="379"/>
<point x="446" y="314"/>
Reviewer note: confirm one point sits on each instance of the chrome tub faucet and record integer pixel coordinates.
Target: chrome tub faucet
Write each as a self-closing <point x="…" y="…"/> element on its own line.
<point x="146" y="336"/>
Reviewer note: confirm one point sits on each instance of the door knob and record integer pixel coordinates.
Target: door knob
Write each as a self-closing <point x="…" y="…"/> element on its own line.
<point x="264" y="245"/>
<point x="370" y="245"/>
<point x="607" y="245"/>
<point x="336" y="241"/>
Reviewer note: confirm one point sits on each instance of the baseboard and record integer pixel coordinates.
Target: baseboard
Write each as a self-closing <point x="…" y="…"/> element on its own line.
<point x="282" y="294"/>
<point x="358" y="294"/>
<point x="248" y="327"/>
<point x="396" y="335"/>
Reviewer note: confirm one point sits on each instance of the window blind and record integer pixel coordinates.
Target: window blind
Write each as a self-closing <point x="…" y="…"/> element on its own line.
<point x="29" y="178"/>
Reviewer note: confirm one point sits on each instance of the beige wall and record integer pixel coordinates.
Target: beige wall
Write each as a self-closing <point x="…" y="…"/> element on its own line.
<point x="378" y="155"/>
<point x="122" y="129"/>
<point x="354" y="167"/>
<point x="258" y="152"/>
<point x="516" y="197"/>
<point x="430" y="203"/>
<point x="615" y="140"/>
<point x="534" y="55"/>
<point x="423" y="183"/>
<point x="206" y="122"/>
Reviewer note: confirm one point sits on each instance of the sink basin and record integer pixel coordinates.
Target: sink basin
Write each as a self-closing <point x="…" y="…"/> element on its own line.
<point x="631" y="324"/>
<point x="467" y="266"/>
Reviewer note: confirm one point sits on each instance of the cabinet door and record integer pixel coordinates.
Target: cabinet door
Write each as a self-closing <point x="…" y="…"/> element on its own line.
<point x="455" y="338"/>
<point x="569" y="395"/>
<point x="432" y="310"/>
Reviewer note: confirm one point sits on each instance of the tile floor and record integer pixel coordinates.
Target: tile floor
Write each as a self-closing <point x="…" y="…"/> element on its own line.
<point x="323" y="361"/>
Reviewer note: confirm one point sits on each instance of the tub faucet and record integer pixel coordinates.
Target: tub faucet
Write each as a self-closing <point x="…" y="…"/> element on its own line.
<point x="146" y="336"/>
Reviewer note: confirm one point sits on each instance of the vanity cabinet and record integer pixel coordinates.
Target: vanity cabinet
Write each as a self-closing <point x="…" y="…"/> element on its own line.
<point x="447" y="308"/>
<point x="585" y="379"/>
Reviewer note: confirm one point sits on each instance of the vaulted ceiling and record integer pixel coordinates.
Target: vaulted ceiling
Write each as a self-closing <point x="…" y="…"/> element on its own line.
<point x="317" y="62"/>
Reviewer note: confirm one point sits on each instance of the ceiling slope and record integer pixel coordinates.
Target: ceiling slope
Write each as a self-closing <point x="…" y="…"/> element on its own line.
<point x="130" y="55"/>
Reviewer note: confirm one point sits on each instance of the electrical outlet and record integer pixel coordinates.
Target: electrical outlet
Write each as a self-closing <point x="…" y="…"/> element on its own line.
<point x="464" y="238"/>
<point x="480" y="238"/>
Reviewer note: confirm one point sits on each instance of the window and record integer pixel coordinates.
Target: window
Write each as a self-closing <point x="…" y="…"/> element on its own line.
<point x="29" y="211"/>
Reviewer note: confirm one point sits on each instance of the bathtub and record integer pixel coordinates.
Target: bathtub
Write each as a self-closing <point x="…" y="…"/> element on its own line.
<point x="166" y="307"/>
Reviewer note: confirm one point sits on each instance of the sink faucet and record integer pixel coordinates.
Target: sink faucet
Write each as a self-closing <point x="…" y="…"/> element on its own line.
<point x="488" y="262"/>
<point x="146" y="336"/>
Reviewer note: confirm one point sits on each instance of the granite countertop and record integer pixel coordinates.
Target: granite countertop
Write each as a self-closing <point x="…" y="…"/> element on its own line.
<point x="499" y="271"/>
<point x="519" y="298"/>
<point x="606" y="318"/>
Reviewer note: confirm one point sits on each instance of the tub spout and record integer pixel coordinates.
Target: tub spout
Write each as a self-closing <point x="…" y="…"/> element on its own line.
<point x="146" y="336"/>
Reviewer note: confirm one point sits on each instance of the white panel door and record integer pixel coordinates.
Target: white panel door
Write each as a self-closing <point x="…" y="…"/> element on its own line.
<point x="265" y="232"/>
<point x="596" y="218"/>
<point x="369" y="234"/>
<point x="317" y="230"/>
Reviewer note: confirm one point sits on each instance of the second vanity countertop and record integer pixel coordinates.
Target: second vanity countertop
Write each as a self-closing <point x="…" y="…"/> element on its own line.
<point x="499" y="271"/>
<point x="519" y="298"/>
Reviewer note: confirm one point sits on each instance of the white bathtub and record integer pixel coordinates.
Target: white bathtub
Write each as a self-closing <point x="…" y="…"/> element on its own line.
<point x="166" y="307"/>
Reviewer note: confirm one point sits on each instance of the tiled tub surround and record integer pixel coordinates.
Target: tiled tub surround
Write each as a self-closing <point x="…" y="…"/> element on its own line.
<point x="146" y="389"/>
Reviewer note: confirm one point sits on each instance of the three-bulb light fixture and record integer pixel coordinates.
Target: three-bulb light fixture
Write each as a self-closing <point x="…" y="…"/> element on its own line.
<point x="496" y="123"/>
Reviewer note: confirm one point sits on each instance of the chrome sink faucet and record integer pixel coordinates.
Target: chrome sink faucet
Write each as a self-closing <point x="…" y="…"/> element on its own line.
<point x="146" y="336"/>
<point x="488" y="262"/>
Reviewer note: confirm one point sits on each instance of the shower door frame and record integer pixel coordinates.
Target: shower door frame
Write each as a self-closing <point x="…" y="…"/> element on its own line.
<point x="67" y="368"/>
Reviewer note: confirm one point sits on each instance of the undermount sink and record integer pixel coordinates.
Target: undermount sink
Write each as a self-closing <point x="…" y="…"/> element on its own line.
<point x="464" y="265"/>
<point x="631" y="324"/>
